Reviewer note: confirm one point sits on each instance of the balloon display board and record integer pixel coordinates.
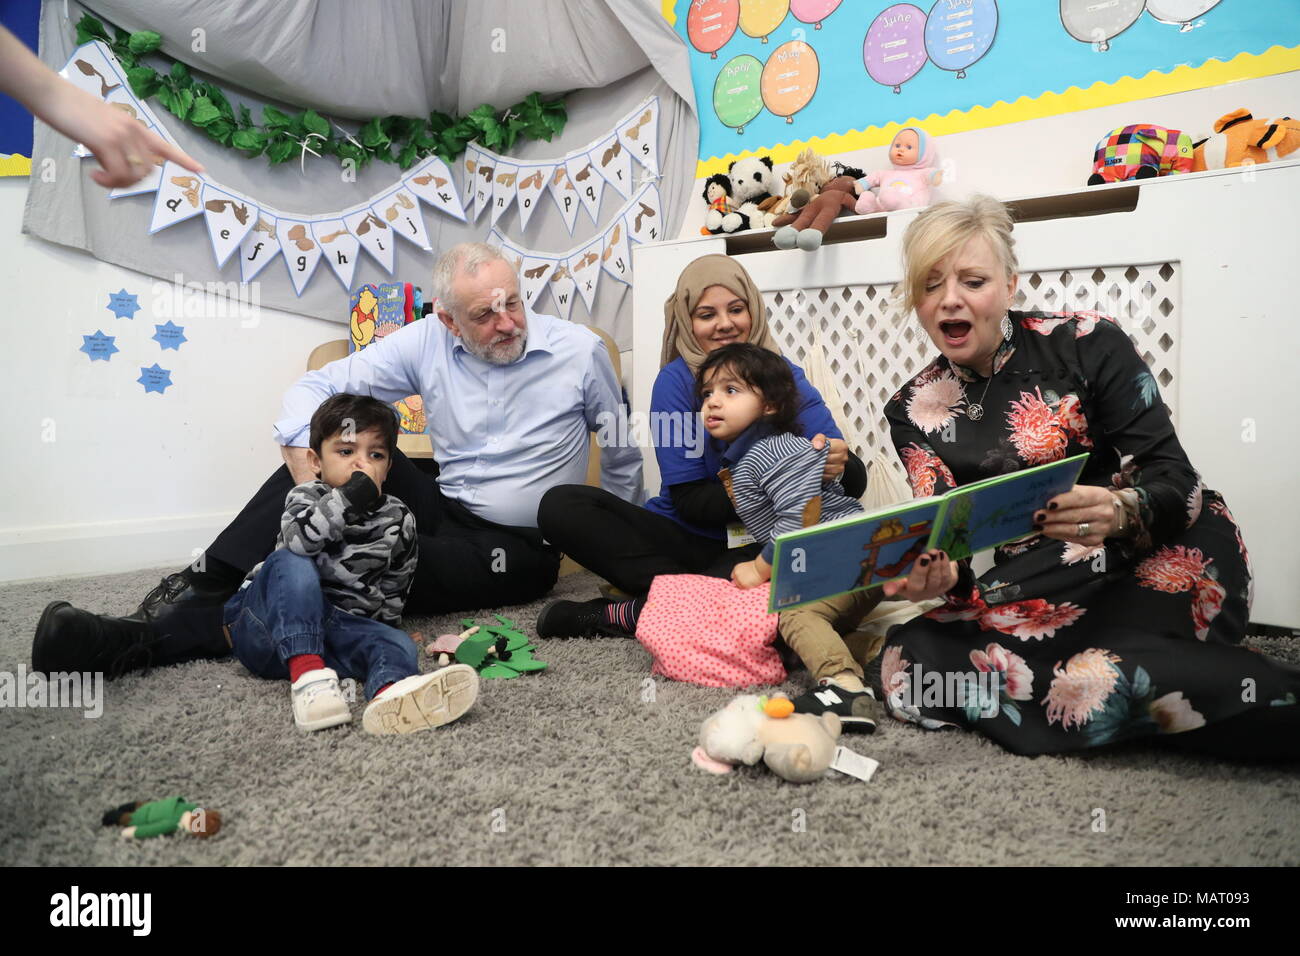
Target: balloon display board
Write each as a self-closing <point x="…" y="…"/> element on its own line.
<point x="770" y="75"/>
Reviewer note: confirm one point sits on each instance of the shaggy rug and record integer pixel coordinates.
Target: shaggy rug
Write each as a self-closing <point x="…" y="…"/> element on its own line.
<point x="585" y="763"/>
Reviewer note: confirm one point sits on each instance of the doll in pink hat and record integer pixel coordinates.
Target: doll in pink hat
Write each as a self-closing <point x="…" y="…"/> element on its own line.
<point x="908" y="184"/>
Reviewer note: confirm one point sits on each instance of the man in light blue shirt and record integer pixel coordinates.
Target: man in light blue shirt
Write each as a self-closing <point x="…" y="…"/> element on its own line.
<point x="510" y="397"/>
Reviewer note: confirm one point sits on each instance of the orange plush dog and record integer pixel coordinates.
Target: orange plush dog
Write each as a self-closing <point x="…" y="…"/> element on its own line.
<point x="1241" y="140"/>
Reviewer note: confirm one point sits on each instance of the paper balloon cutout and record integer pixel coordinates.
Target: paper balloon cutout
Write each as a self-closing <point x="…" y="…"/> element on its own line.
<point x="813" y="11"/>
<point x="737" y="92"/>
<point x="1182" y="12"/>
<point x="790" y="78"/>
<point x="1097" y="23"/>
<point x="894" y="50"/>
<point x="959" y="32"/>
<point x="758" y="18"/>
<point x="711" y="23"/>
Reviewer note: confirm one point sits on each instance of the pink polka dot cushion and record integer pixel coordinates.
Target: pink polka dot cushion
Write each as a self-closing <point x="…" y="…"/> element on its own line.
<point x="707" y="631"/>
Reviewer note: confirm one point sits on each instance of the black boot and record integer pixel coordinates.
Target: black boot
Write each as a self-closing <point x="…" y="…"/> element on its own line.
<point x="176" y="622"/>
<point x="577" y="619"/>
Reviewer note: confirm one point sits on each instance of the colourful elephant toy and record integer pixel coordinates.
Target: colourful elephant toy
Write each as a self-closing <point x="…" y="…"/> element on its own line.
<point x="1141" y="151"/>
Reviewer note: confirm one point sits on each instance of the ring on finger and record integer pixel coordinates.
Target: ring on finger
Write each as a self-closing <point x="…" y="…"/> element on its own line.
<point x="134" y="160"/>
<point x="1084" y="529"/>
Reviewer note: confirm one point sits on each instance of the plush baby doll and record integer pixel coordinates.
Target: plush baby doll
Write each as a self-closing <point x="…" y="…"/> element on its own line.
<point x="795" y="747"/>
<point x="807" y="226"/>
<point x="141" y="820"/>
<point x="908" y="184"/>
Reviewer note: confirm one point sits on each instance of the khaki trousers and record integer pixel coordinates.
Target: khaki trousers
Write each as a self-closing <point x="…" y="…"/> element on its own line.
<point x="825" y="636"/>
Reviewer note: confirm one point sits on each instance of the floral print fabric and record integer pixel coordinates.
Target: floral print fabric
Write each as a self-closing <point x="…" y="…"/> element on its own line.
<point x="1059" y="646"/>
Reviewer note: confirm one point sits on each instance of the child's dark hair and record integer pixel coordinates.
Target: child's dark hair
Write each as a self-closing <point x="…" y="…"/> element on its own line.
<point x="765" y="372"/>
<point x="360" y="412"/>
<point x="723" y="180"/>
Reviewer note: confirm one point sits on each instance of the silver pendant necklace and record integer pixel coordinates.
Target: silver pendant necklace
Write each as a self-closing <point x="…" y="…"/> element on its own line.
<point x="975" y="410"/>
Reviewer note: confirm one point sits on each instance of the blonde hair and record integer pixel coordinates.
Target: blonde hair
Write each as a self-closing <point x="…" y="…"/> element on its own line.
<point x="943" y="229"/>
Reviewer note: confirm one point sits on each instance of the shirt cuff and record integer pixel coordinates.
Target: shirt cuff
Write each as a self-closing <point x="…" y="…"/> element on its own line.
<point x="290" y="431"/>
<point x="768" y="550"/>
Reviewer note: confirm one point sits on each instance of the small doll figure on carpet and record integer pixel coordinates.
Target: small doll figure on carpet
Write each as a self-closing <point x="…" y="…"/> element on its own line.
<point x="161" y="817"/>
<point x="908" y="184"/>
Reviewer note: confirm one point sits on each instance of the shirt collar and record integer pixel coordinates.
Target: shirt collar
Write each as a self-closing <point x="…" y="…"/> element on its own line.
<point x="745" y="441"/>
<point x="1006" y="348"/>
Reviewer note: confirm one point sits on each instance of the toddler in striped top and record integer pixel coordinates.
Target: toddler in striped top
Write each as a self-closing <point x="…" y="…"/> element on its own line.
<point x="775" y="479"/>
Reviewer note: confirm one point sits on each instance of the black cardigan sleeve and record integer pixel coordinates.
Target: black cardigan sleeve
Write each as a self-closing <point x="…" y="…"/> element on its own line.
<point x="854" y="478"/>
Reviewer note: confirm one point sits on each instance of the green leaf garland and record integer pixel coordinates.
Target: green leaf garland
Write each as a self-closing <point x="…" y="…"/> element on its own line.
<point x="402" y="140"/>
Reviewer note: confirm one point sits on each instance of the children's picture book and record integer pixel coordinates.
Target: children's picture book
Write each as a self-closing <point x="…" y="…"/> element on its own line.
<point x="379" y="309"/>
<point x="864" y="551"/>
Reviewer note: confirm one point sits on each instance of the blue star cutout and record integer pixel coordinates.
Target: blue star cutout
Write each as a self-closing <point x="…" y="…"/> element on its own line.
<point x="123" y="304"/>
<point x="155" y="379"/>
<point x="170" y="336"/>
<point x="99" y="346"/>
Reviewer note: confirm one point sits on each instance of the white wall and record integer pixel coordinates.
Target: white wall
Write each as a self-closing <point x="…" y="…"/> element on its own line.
<point x="1054" y="154"/>
<point x="102" y="477"/>
<point x="129" y="480"/>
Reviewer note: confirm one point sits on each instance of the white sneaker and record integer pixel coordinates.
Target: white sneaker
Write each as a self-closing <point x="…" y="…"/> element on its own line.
<point x="422" y="701"/>
<point x="318" y="702"/>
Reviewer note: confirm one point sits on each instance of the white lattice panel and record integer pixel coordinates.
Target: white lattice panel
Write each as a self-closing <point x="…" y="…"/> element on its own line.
<point x="870" y="352"/>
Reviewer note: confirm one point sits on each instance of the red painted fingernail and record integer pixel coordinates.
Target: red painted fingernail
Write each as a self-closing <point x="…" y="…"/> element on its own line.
<point x="1052" y="506"/>
<point x="924" y="561"/>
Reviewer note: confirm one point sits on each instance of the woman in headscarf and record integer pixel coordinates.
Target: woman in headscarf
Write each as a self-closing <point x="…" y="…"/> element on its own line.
<point x="691" y="527"/>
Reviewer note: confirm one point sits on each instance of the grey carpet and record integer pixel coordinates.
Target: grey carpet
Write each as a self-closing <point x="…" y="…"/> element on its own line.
<point x="573" y="766"/>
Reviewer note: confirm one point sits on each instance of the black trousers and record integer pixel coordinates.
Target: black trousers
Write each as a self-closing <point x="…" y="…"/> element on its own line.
<point x="628" y="545"/>
<point x="465" y="562"/>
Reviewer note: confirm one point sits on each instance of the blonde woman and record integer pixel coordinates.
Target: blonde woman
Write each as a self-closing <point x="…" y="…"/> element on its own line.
<point x="1123" y="616"/>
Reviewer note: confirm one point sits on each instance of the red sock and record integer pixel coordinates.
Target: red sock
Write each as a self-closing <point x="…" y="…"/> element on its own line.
<point x="384" y="688"/>
<point x="300" y="664"/>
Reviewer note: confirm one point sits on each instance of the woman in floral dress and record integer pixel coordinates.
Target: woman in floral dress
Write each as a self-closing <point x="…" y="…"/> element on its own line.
<point x="1123" y="616"/>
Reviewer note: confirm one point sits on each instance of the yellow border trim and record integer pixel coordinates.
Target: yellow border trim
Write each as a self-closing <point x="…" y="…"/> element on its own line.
<point x="1243" y="66"/>
<point x="15" y="164"/>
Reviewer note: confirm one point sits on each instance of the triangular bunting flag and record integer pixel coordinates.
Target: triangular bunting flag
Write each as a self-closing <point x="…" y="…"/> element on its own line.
<point x="400" y="210"/>
<point x="614" y="163"/>
<point x="640" y="136"/>
<point x="566" y="197"/>
<point x="469" y="163"/>
<point x="432" y="182"/>
<point x="374" y="235"/>
<point x="260" y="245"/>
<point x="483" y="183"/>
<point x="589" y="183"/>
<point x="122" y="99"/>
<point x="644" y="219"/>
<point x="339" y="247"/>
<point x="503" y="188"/>
<point x="562" y="290"/>
<point x="229" y="221"/>
<point x="532" y="277"/>
<point x="300" y="249"/>
<point x="616" y="257"/>
<point x="529" y="183"/>
<point x="584" y="266"/>
<point x="177" y="198"/>
<point x="91" y="69"/>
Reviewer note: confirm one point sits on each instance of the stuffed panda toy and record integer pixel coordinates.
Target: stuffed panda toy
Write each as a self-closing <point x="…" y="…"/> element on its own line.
<point x="754" y="190"/>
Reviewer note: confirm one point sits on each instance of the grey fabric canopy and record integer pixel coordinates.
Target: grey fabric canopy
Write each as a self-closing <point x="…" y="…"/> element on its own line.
<point x="352" y="61"/>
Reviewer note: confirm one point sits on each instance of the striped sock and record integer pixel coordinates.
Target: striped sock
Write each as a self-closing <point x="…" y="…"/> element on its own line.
<point x="623" y="614"/>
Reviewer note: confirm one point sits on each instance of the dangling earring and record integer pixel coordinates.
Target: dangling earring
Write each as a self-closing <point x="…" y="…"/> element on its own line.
<point x="1006" y="328"/>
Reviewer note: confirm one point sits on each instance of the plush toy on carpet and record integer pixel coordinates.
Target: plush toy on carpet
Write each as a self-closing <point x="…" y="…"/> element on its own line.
<point x="796" y="747"/>
<point x="161" y="817"/>
<point x="499" y="650"/>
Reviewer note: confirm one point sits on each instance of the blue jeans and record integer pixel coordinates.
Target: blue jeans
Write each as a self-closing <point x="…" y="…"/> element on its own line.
<point x="282" y="613"/>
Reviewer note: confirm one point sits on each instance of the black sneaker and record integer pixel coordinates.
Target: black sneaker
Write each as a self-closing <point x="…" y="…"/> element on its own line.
<point x="576" y="619"/>
<point x="175" y="623"/>
<point x="857" y="710"/>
